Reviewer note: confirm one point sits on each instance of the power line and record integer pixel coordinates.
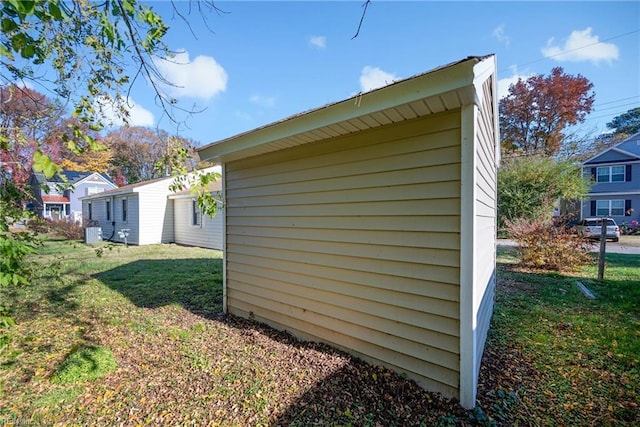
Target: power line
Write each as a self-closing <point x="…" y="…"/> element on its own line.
<point x="595" y="110"/>
<point x="564" y="52"/>
<point x="617" y="100"/>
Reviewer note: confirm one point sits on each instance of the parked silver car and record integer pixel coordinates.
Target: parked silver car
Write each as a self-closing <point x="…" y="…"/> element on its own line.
<point x="591" y="228"/>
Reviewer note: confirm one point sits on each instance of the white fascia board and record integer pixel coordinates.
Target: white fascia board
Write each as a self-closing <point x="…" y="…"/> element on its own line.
<point x="468" y="320"/>
<point x="439" y="81"/>
<point x="97" y="176"/>
<point x="633" y="157"/>
<point x="614" y="193"/>
<point x="620" y="162"/>
<point x="224" y="242"/>
<point x="626" y="153"/>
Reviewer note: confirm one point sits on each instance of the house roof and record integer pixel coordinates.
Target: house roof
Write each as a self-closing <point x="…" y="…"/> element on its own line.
<point x="212" y="188"/>
<point x="72" y="177"/>
<point x="125" y="189"/>
<point x="444" y="88"/>
<point x="134" y="188"/>
<point x="625" y="148"/>
<point x="46" y="198"/>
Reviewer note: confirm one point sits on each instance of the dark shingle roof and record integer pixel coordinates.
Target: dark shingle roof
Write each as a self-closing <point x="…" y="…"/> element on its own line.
<point x="72" y="177"/>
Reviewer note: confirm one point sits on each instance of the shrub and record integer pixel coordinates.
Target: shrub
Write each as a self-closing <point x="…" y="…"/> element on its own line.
<point x="529" y="187"/>
<point x="70" y="229"/>
<point x="39" y="225"/>
<point x="66" y="228"/>
<point x="632" y="228"/>
<point x="549" y="246"/>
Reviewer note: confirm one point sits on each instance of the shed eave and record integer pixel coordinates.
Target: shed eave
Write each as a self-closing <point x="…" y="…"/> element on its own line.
<point x="442" y="89"/>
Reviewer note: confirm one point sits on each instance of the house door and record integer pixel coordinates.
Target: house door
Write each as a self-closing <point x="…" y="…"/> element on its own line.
<point x="54" y="212"/>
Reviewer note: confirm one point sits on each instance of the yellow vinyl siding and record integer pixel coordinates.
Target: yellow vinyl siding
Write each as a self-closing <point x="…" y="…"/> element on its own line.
<point x="401" y="296"/>
<point x="355" y="241"/>
<point x="408" y="285"/>
<point x="362" y="341"/>
<point x="436" y="223"/>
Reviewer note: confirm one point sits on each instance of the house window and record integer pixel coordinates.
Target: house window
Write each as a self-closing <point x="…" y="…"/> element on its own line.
<point x="196" y="215"/>
<point x="108" y="210"/>
<point x="94" y="190"/>
<point x="610" y="207"/>
<point x="90" y="211"/>
<point x="124" y="209"/>
<point x="610" y="174"/>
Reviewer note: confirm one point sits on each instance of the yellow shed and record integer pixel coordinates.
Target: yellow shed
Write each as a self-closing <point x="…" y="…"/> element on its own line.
<point x="370" y="224"/>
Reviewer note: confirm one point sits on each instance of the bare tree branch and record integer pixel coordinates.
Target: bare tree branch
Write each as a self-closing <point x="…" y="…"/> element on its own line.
<point x="365" y="5"/>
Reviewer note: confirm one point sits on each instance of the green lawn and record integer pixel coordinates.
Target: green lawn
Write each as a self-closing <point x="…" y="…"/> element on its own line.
<point x="554" y="357"/>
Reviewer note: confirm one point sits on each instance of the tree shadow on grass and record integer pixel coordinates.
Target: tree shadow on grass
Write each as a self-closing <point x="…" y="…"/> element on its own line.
<point x="352" y="392"/>
<point x="194" y="283"/>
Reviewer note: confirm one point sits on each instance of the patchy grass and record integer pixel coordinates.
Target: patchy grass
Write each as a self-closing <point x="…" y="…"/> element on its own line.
<point x="553" y="356"/>
<point x="581" y="357"/>
<point x="85" y="364"/>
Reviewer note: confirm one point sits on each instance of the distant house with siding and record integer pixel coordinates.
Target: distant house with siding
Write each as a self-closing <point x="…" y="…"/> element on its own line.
<point x="193" y="228"/>
<point x="58" y="197"/>
<point x="615" y="173"/>
<point x="370" y="224"/>
<point x="147" y="211"/>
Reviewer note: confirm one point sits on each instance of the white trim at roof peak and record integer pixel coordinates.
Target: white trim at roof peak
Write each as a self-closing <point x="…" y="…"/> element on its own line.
<point x="626" y="153"/>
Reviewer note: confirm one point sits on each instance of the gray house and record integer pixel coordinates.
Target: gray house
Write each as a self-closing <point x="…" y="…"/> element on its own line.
<point x="58" y="197"/>
<point x="616" y="176"/>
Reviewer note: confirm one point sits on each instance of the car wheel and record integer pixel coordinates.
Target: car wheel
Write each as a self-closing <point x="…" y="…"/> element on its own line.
<point x="615" y="239"/>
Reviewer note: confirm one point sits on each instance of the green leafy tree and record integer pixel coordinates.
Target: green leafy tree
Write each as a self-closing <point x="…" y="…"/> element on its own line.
<point x="529" y="187"/>
<point x="626" y="124"/>
<point x="87" y="47"/>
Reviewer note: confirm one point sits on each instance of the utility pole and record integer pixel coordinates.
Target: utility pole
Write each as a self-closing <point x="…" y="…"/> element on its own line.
<point x="603" y="248"/>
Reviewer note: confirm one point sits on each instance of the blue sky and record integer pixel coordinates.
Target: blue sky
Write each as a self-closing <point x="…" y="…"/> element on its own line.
<point x="263" y="61"/>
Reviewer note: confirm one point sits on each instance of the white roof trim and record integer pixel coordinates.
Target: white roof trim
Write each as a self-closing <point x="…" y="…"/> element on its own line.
<point x="127" y="189"/>
<point x="445" y="88"/>
<point x="97" y="175"/>
<point x="614" y="193"/>
<point x="615" y="147"/>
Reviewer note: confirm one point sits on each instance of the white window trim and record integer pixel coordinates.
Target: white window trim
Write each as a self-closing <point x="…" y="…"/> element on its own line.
<point x="125" y="201"/>
<point x="196" y="215"/>
<point x="610" y="174"/>
<point x="609" y="208"/>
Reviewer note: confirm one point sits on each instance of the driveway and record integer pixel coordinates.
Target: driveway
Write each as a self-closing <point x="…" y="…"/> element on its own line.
<point x="626" y="245"/>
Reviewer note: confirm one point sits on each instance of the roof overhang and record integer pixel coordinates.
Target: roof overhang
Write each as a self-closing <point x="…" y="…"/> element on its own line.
<point x="445" y="88"/>
<point x="55" y="199"/>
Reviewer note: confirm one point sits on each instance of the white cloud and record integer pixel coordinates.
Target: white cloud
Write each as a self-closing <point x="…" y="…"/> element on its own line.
<point x="581" y="46"/>
<point x="138" y="115"/>
<point x="373" y="78"/>
<point x="201" y="78"/>
<point x="263" y="101"/>
<point x="498" y="33"/>
<point x="503" y="84"/>
<point x="319" y="42"/>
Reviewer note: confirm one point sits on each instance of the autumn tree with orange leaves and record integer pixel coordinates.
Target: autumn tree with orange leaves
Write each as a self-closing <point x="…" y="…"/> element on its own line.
<point x="537" y="111"/>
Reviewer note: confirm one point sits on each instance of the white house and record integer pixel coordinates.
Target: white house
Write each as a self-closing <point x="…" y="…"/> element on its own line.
<point x="146" y="212"/>
<point x="59" y="196"/>
<point x="370" y="224"/>
<point x="190" y="226"/>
